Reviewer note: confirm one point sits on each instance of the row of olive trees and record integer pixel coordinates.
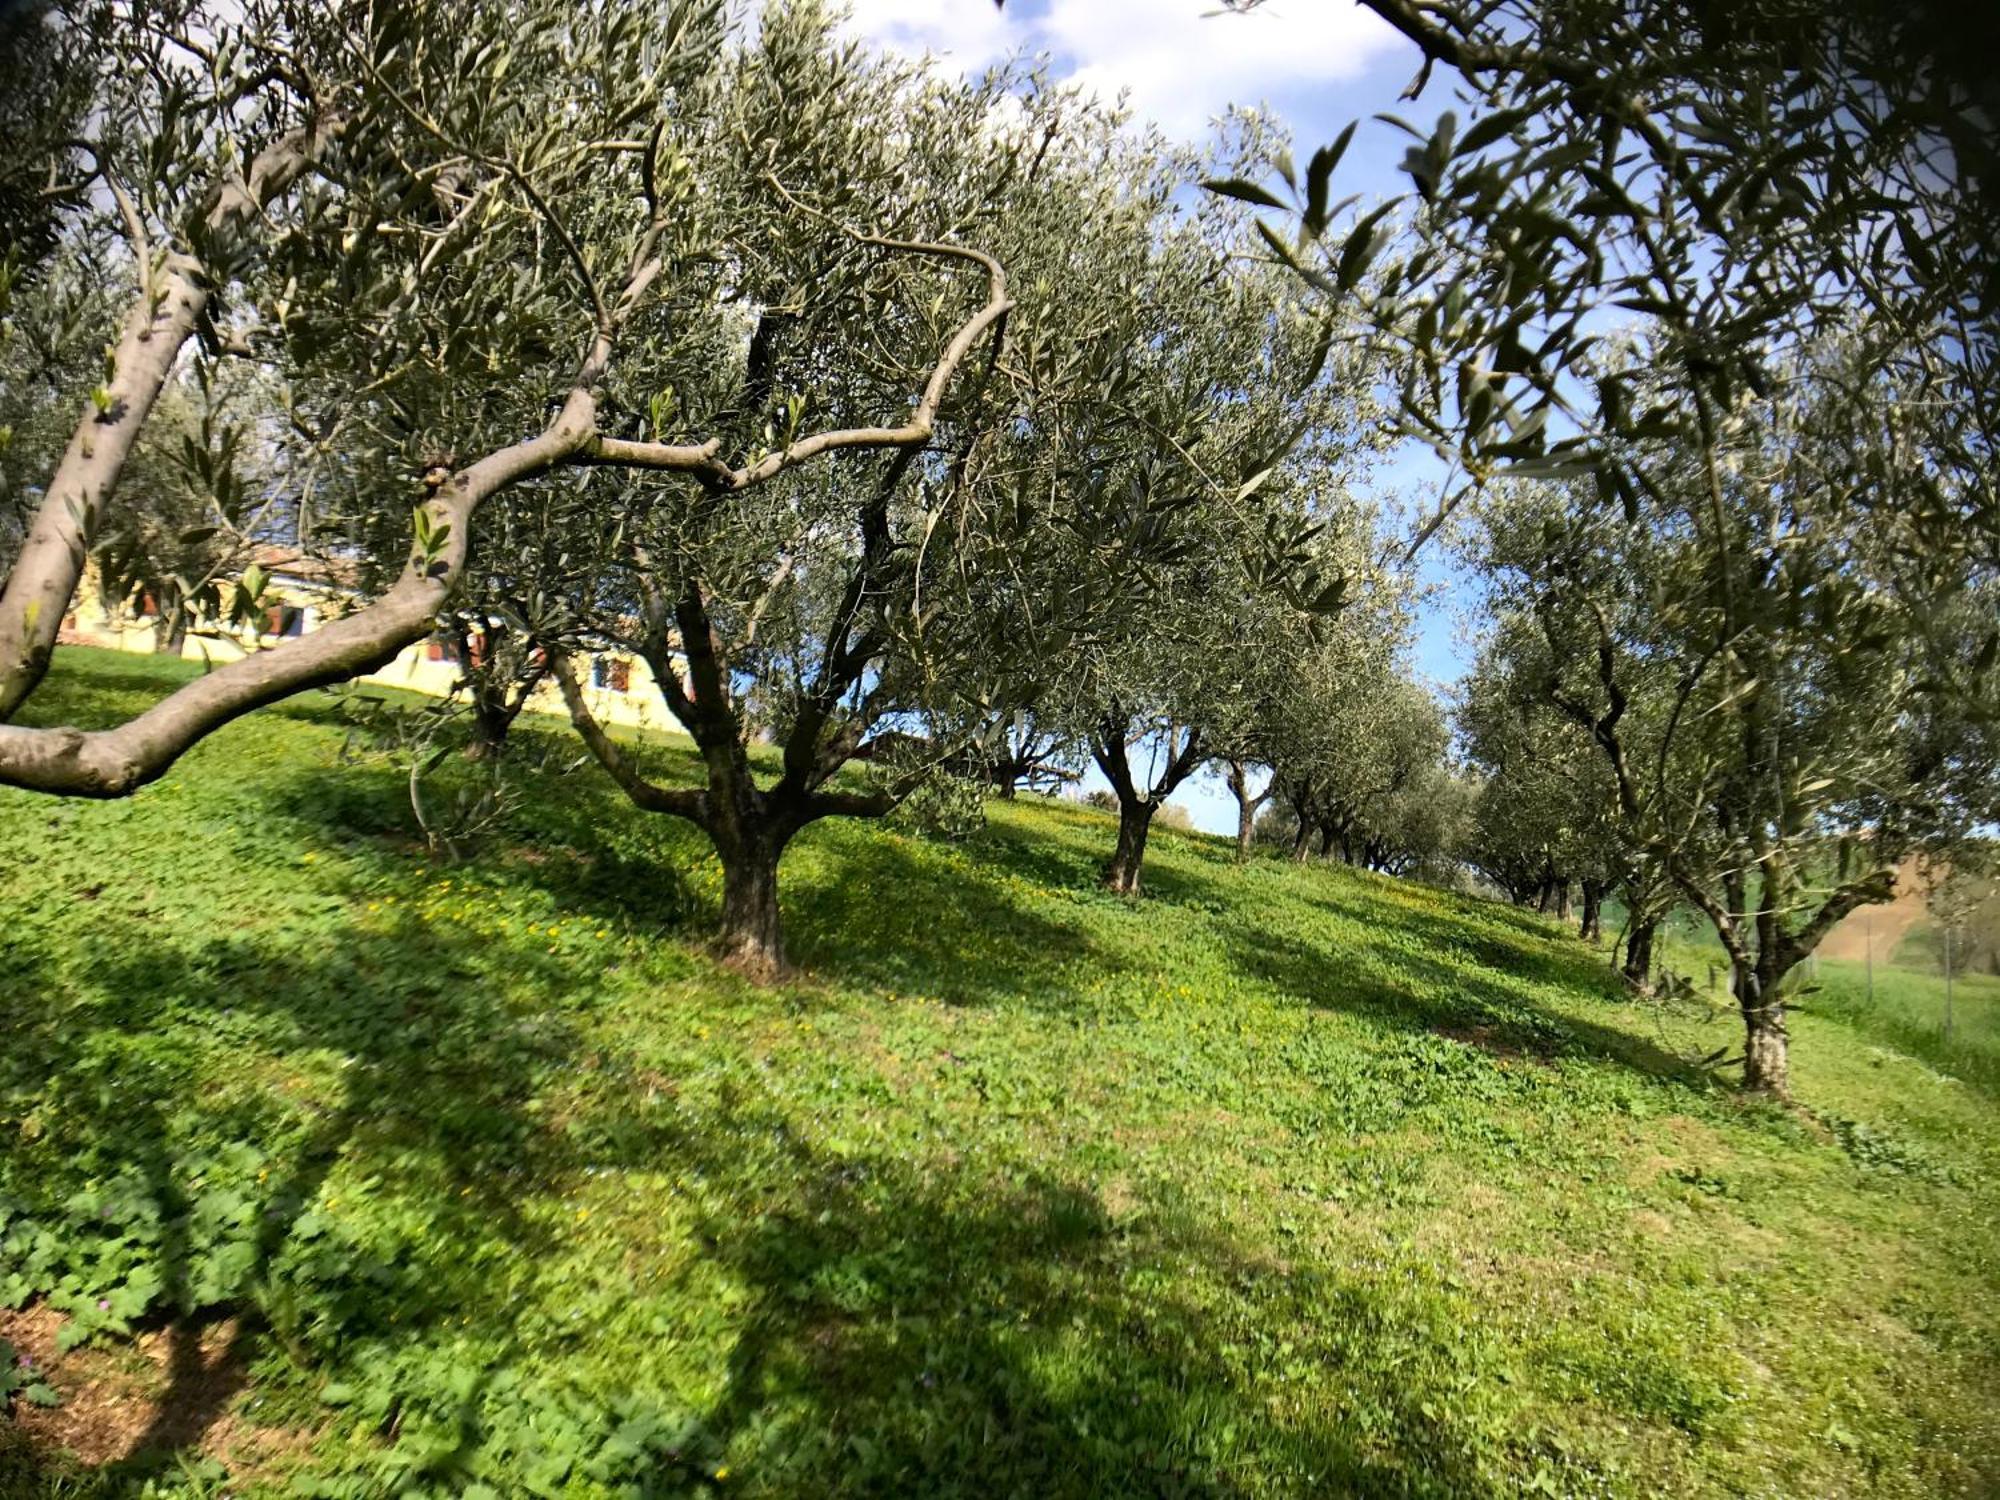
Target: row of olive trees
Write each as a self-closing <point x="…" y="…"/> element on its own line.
<point x="1369" y="780"/>
<point x="893" y="407"/>
<point x="874" y="411"/>
<point x="1759" y="575"/>
<point x="1766" y="740"/>
<point x="1544" y="820"/>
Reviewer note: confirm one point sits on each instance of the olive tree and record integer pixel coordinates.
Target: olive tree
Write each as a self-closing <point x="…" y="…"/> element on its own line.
<point x="1224" y="461"/>
<point x="443" y="229"/>
<point x="898" y="608"/>
<point x="1753" y="677"/>
<point x="1749" y="188"/>
<point x="1184" y="676"/>
<point x="1297" y="674"/>
<point x="1546" y="819"/>
<point x="1347" y="773"/>
<point x="1744" y="180"/>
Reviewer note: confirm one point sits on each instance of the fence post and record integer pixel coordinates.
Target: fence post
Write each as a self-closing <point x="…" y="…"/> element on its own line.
<point x="1947" y="984"/>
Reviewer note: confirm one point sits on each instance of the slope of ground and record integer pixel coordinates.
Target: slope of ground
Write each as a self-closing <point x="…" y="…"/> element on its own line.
<point x="1879" y="929"/>
<point x="482" y="1180"/>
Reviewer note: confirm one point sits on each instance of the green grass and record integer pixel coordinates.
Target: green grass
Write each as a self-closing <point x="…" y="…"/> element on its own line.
<point x="1906" y="1010"/>
<point x="1281" y="1181"/>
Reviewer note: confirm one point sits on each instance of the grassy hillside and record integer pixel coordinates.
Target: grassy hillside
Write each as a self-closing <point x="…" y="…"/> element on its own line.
<point x="1281" y="1181"/>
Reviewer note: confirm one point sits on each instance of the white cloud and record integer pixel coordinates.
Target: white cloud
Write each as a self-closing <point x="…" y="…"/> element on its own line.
<point x="970" y="33"/>
<point x="1181" y="63"/>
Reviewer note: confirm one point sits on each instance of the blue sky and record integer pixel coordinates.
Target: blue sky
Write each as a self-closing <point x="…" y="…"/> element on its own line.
<point x="1315" y="65"/>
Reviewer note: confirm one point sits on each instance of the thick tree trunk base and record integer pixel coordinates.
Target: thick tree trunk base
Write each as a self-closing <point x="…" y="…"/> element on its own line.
<point x="492" y="721"/>
<point x="750" y="937"/>
<point x="1639" y="956"/>
<point x="1766" y="1062"/>
<point x="752" y="956"/>
<point x="1122" y="877"/>
<point x="1766" y="1058"/>
<point x="1135" y="821"/>
<point x="1591" y="928"/>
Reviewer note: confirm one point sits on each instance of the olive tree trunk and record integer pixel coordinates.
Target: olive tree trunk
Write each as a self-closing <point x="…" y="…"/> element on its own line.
<point x="1766" y="1057"/>
<point x="1591" y="927"/>
<point x="1135" y="822"/>
<point x="1247" y="805"/>
<point x="1639" y="951"/>
<point x="750" y="936"/>
<point x="1110" y="748"/>
<point x="171" y="635"/>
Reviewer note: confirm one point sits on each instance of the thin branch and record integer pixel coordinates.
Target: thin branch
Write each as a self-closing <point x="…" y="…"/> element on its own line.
<point x="680" y="802"/>
<point x="135" y="231"/>
<point x="599" y="309"/>
<point x="755" y="614"/>
<point x="701" y="461"/>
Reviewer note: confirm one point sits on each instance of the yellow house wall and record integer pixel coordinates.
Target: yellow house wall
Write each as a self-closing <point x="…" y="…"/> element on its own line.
<point x="638" y="707"/>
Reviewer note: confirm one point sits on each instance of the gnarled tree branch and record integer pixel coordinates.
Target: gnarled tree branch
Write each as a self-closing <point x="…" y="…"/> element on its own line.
<point x="114" y="762"/>
<point x="165" y="315"/>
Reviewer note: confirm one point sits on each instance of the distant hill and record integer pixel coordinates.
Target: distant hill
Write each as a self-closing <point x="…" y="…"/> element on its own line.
<point x="1880" y="929"/>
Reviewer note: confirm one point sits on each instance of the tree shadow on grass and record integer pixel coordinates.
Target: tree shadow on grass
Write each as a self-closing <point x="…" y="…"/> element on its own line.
<point x="910" y="1327"/>
<point x="1449" y="979"/>
<point x="180" y="1200"/>
<point x="864" y="906"/>
<point x="578" y="840"/>
<point x="1528" y="947"/>
<point x="988" y="1333"/>
<point x="1070" y="845"/>
<point x="907" y="916"/>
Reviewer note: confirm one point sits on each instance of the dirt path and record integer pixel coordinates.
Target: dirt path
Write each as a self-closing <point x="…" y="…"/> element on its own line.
<point x="167" y="1391"/>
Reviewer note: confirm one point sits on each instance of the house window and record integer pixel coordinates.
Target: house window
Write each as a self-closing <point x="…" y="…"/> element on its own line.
<point x="441" y="648"/>
<point x="613" y="672"/>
